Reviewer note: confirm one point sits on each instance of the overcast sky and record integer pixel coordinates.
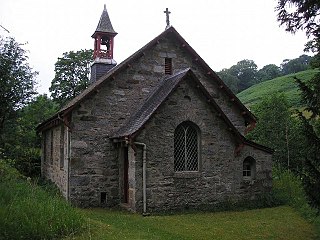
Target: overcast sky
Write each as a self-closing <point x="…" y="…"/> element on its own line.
<point x="223" y="32"/>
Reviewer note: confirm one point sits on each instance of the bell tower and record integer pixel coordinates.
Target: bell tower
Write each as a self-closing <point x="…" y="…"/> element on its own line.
<point x="103" y="47"/>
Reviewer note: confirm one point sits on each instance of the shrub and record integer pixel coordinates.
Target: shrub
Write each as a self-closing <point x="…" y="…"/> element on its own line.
<point x="288" y="189"/>
<point x="7" y="172"/>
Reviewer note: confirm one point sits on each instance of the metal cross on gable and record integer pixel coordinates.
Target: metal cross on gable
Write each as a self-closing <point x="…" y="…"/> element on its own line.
<point x="167" y="17"/>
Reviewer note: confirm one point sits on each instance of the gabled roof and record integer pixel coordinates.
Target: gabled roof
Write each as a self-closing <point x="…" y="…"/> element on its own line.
<point x="160" y="94"/>
<point x="104" y="24"/>
<point x="126" y="63"/>
<point x="150" y="105"/>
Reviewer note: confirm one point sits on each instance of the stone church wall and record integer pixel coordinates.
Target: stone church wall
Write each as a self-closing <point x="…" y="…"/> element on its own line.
<point x="94" y="163"/>
<point x="54" y="160"/>
<point x="95" y="159"/>
<point x="220" y="173"/>
<point x="181" y="59"/>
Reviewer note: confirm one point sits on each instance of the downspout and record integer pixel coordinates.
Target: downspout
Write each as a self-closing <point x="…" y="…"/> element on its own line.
<point x="68" y="162"/>
<point x="144" y="175"/>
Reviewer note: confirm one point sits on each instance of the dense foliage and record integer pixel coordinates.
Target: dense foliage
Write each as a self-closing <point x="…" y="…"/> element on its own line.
<point x="246" y="74"/>
<point x="298" y="15"/>
<point x="295" y="65"/>
<point x="23" y="144"/>
<point x="240" y="76"/>
<point x="304" y="15"/>
<point x="288" y="189"/>
<point x="279" y="130"/>
<point x="71" y="75"/>
<point x="17" y="83"/>
<point x="269" y="72"/>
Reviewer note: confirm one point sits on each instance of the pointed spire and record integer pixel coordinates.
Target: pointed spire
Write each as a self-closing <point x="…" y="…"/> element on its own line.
<point x="103" y="47"/>
<point x="104" y="24"/>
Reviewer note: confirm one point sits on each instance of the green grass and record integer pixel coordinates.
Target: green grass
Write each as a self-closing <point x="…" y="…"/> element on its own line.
<point x="268" y="223"/>
<point x="27" y="211"/>
<point x="285" y="84"/>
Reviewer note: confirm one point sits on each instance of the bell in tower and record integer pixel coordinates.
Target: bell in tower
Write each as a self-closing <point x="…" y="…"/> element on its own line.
<point x="103" y="47"/>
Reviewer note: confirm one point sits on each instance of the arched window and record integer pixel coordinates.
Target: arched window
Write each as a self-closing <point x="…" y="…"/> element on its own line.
<point x="186" y="147"/>
<point x="249" y="168"/>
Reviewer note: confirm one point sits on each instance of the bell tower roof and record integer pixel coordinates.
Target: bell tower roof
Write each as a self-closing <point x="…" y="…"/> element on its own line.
<point x="103" y="47"/>
<point x="104" y="25"/>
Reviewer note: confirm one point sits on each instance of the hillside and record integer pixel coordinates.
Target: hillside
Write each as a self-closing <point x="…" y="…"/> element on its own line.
<point x="285" y="84"/>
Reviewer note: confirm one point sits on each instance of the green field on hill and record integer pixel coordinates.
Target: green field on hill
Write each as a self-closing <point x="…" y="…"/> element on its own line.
<point x="285" y="84"/>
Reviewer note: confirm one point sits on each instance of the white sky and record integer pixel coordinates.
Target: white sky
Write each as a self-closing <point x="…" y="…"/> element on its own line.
<point x="222" y="32"/>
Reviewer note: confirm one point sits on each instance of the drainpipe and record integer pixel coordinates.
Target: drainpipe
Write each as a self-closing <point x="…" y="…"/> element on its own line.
<point x="68" y="162"/>
<point x="144" y="175"/>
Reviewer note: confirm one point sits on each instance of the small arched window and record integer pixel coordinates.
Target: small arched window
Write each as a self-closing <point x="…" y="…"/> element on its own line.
<point x="249" y="168"/>
<point x="186" y="147"/>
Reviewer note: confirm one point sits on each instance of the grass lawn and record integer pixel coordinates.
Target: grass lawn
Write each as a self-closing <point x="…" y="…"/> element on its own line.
<point x="270" y="223"/>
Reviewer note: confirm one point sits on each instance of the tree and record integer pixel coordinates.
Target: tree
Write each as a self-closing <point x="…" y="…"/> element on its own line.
<point x="230" y="80"/>
<point x="304" y="15"/>
<point x="310" y="92"/>
<point x="71" y="75"/>
<point x="17" y="82"/>
<point x="268" y="72"/>
<point x="37" y="111"/>
<point x="279" y="131"/>
<point x="22" y="143"/>
<point x="246" y="71"/>
<point x="301" y="15"/>
<point x="295" y="65"/>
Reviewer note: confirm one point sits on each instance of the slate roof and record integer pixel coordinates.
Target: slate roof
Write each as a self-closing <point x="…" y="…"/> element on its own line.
<point x="91" y="89"/>
<point x="104" y="24"/>
<point x="150" y="105"/>
<point x="160" y="94"/>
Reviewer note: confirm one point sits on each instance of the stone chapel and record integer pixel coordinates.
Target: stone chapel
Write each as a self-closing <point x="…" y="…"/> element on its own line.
<point x="157" y="132"/>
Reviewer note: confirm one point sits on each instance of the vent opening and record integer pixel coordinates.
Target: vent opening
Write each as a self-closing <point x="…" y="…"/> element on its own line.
<point x="168" y="66"/>
<point x="103" y="197"/>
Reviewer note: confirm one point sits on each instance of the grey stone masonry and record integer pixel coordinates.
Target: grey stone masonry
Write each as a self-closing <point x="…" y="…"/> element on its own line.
<point x="93" y="171"/>
<point x="54" y="161"/>
<point x="220" y="172"/>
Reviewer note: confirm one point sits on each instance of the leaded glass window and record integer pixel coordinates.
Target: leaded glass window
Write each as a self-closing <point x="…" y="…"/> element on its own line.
<point x="186" y="148"/>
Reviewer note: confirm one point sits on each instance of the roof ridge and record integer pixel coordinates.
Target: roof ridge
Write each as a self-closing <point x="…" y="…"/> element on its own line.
<point x="94" y="86"/>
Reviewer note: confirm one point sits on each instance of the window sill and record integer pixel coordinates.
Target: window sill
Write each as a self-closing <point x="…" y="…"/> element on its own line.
<point x="248" y="181"/>
<point x="187" y="174"/>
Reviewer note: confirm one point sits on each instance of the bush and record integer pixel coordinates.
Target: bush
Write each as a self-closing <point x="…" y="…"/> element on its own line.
<point x="7" y="172"/>
<point x="29" y="212"/>
<point x="288" y="189"/>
